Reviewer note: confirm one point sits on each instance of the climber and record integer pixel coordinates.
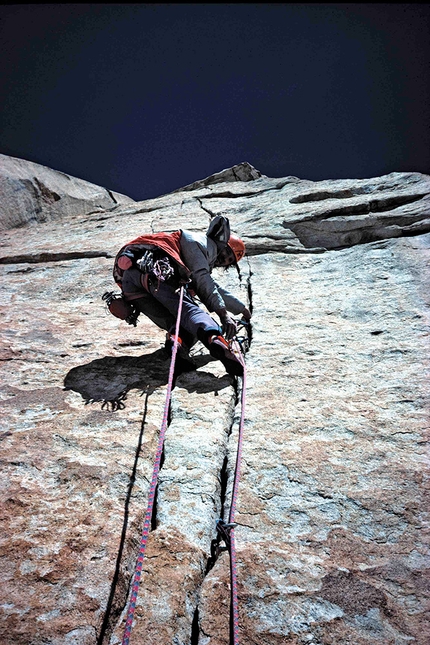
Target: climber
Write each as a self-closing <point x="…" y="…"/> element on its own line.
<point x="150" y="269"/>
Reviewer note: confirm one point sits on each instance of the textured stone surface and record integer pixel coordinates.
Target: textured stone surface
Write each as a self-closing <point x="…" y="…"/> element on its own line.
<point x="332" y="533"/>
<point x="188" y="505"/>
<point x="332" y="506"/>
<point x="32" y="193"/>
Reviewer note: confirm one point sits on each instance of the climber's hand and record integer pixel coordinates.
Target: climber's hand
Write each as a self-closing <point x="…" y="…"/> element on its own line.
<point x="246" y="314"/>
<point x="229" y="327"/>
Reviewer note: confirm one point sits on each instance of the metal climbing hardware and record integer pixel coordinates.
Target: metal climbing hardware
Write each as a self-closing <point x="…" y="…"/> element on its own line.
<point x="146" y="262"/>
<point x="243" y="339"/>
<point x="119" y="307"/>
<point x="224" y="529"/>
<point x="160" y="268"/>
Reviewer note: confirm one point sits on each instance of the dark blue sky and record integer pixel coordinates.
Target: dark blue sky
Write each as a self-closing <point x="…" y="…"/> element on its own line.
<point x="145" y="98"/>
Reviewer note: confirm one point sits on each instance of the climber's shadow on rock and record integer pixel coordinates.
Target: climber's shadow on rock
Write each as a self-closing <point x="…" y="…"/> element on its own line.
<point x="107" y="380"/>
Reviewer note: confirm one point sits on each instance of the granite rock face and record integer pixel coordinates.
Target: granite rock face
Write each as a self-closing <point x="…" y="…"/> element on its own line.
<point x="31" y="193"/>
<point x="332" y="536"/>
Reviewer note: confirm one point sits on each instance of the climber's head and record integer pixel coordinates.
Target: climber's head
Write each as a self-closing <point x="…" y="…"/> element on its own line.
<point x="232" y="253"/>
<point x="225" y="258"/>
<point x="237" y="246"/>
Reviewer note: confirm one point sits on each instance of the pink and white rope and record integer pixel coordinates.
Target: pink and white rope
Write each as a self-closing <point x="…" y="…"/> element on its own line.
<point x="153" y="486"/>
<point x="233" y="559"/>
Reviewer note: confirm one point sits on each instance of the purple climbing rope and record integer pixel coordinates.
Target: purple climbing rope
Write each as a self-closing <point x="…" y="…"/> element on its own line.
<point x="233" y="560"/>
<point x="151" y="497"/>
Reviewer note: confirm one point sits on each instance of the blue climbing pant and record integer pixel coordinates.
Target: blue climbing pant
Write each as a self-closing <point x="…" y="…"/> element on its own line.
<point x="161" y="306"/>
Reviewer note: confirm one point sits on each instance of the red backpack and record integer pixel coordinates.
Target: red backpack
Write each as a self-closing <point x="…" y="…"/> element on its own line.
<point x="166" y="248"/>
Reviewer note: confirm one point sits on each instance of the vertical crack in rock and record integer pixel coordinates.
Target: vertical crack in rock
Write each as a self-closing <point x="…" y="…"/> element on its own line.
<point x="154" y="519"/>
<point x="215" y="548"/>
<point x="117" y="609"/>
<point x="111" y="196"/>
<point x="250" y="295"/>
<point x="195" y="632"/>
<point x="154" y="516"/>
<point x="119" y="588"/>
<point x="223" y="483"/>
<point x="205" y="209"/>
<point x="226" y="474"/>
<point x="154" y="509"/>
<point x="223" y="479"/>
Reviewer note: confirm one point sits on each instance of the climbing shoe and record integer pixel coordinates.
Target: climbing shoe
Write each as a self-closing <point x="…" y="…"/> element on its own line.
<point x="219" y="349"/>
<point x="184" y="362"/>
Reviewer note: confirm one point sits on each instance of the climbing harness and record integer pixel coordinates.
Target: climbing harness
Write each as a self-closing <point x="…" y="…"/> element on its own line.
<point x="151" y="496"/>
<point x="155" y="268"/>
<point x="225" y="529"/>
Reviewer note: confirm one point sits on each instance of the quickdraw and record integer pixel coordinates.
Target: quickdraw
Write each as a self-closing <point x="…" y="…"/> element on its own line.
<point x="224" y="529"/>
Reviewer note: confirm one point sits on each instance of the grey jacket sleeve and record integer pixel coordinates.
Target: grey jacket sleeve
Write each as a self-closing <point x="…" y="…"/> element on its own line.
<point x="232" y="304"/>
<point x="199" y="254"/>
